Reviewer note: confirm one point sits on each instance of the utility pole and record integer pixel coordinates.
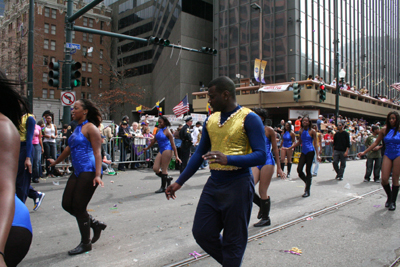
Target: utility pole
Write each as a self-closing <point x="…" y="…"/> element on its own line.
<point x="29" y="90"/>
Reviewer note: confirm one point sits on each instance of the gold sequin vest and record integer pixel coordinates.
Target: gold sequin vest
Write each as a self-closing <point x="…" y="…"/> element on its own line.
<point x="229" y="138"/>
<point x="22" y="127"/>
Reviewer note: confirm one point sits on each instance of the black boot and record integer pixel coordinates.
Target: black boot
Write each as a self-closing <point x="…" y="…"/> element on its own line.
<point x="163" y="183"/>
<point x="159" y="174"/>
<point x="97" y="228"/>
<point x="169" y="180"/>
<point x="283" y="166"/>
<point x="265" y="207"/>
<point x="308" y="186"/>
<point x="388" y="193"/>
<point x="85" y="245"/>
<point x="289" y="168"/>
<point x="257" y="200"/>
<point x="395" y="191"/>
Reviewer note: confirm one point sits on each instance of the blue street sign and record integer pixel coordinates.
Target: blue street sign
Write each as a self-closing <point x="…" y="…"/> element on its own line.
<point x="72" y="51"/>
<point x="71" y="45"/>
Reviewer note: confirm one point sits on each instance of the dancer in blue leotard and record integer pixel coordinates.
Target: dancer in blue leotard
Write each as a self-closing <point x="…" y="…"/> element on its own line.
<point x="391" y="160"/>
<point x="288" y="137"/>
<point x="84" y="145"/>
<point x="308" y="139"/>
<point x="15" y="229"/>
<point x="166" y="144"/>
<point x="263" y="173"/>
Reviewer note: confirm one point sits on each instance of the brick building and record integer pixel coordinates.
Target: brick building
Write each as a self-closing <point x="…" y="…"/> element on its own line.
<point x="49" y="42"/>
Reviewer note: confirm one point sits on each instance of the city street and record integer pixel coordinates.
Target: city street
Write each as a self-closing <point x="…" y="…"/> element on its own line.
<point x="144" y="229"/>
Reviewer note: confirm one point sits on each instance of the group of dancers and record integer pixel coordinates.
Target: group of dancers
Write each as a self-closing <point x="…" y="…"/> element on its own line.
<point x="234" y="140"/>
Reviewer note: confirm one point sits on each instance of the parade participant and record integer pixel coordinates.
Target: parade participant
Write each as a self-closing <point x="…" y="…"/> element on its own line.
<point x="308" y="140"/>
<point x="15" y="224"/>
<point x="341" y="146"/>
<point x="263" y="173"/>
<point x="288" y="139"/>
<point x="390" y="134"/>
<point x="84" y="145"/>
<point x="166" y="145"/>
<point x="314" y="171"/>
<point x="49" y="143"/>
<point x="186" y="137"/>
<point x="226" y="201"/>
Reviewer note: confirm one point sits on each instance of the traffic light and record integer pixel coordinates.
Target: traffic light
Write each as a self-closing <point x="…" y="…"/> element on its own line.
<point x="54" y="74"/>
<point x="296" y="92"/>
<point x="322" y="92"/>
<point x="159" y="41"/>
<point x="75" y="74"/>
<point x="208" y="50"/>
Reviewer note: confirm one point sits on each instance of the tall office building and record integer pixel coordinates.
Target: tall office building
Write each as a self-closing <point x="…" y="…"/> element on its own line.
<point x="298" y="40"/>
<point x="159" y="72"/>
<point x="2" y="7"/>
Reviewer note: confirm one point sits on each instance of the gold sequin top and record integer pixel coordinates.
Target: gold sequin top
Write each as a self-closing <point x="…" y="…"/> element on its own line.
<point x="22" y="127"/>
<point x="230" y="137"/>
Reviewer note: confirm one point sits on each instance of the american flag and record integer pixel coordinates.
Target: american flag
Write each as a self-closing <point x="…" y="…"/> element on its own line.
<point x="396" y="86"/>
<point x="182" y="107"/>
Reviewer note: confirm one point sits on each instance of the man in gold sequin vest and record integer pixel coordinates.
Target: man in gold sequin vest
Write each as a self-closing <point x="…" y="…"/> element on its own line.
<point x="233" y="140"/>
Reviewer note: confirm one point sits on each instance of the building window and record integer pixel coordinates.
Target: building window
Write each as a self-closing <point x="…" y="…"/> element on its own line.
<point x="101" y="53"/>
<point x="83" y="81"/>
<point x="83" y="66"/>
<point x="73" y="35"/>
<point x="100" y="83"/>
<point x="24" y="17"/>
<point x="46" y="44"/>
<point x="10" y="27"/>
<point x="84" y="36"/>
<point x="89" y="67"/>
<point x="53" y="29"/>
<point x="10" y="42"/>
<point x="100" y="68"/>
<point x="101" y="25"/>
<point x="84" y="49"/>
<point x="51" y="96"/>
<point x="53" y="45"/>
<point x="45" y="60"/>
<point x="90" y="54"/>
<point x="46" y="14"/>
<point x="89" y="96"/>
<point x="46" y="28"/>
<point x="44" y="79"/>
<point x="101" y="39"/>
<point x="90" y="37"/>
<point x="84" y="21"/>
<point x="53" y="13"/>
<point x="44" y="93"/>
<point x="52" y="59"/>
<point x="89" y="81"/>
<point x="91" y="23"/>
<point x="83" y="94"/>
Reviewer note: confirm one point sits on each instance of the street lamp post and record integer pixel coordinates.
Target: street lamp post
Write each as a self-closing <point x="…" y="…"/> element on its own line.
<point x="259" y="7"/>
<point x="339" y="82"/>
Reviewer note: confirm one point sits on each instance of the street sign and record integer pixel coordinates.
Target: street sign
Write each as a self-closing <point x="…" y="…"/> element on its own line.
<point x="68" y="98"/>
<point x="72" y="51"/>
<point x="71" y="45"/>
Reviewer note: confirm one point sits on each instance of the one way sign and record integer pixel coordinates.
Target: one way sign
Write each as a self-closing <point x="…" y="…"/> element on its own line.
<point x="68" y="98"/>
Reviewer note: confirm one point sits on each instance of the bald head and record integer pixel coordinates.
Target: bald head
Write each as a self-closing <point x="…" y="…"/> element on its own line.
<point x="223" y="84"/>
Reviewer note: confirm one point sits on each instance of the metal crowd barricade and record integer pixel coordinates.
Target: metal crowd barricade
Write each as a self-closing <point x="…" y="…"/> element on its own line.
<point x="132" y="152"/>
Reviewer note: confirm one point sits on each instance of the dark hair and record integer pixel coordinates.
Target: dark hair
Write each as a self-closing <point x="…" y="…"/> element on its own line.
<point x="223" y="84"/>
<point x="374" y="128"/>
<point x="396" y="127"/>
<point x="49" y="115"/>
<point x="262" y="112"/>
<point x="11" y="103"/>
<point x="40" y="122"/>
<point x="65" y="126"/>
<point x="284" y="127"/>
<point x="299" y="117"/>
<point x="166" y="121"/>
<point x="309" y="120"/>
<point x="93" y="115"/>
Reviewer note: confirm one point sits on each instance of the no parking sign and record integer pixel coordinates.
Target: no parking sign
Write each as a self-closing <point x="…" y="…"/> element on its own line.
<point x="68" y="98"/>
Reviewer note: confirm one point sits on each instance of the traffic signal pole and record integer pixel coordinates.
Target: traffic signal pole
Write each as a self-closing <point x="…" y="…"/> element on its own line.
<point x="30" y="53"/>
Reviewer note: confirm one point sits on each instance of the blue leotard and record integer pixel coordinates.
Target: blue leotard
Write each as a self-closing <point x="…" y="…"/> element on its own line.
<point x="307" y="142"/>
<point x="270" y="159"/>
<point x="21" y="215"/>
<point x="392" y="144"/>
<point x="287" y="139"/>
<point x="163" y="141"/>
<point x="81" y="152"/>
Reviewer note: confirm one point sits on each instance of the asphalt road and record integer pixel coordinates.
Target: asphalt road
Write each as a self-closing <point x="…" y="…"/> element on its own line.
<point x="144" y="229"/>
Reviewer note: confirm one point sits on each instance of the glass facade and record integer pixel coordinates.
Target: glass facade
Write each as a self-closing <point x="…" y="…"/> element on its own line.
<point x="298" y="40"/>
<point x="2" y="7"/>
